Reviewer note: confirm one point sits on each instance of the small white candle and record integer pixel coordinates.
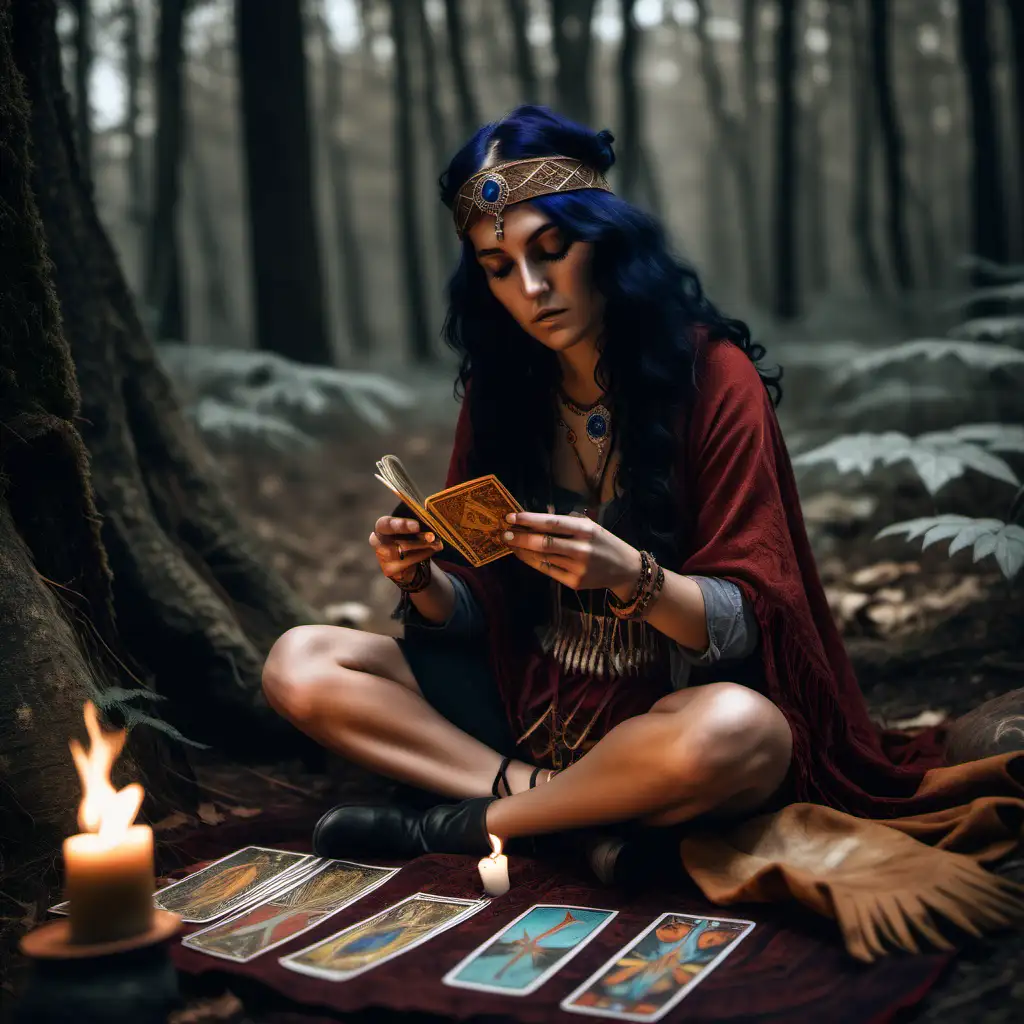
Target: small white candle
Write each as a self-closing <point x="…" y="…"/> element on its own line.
<point x="494" y="870"/>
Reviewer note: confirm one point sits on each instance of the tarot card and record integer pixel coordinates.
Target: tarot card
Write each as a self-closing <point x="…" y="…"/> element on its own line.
<point x="290" y="911"/>
<point x="475" y="511"/>
<point x="530" y="950"/>
<point x="390" y="933"/>
<point x="645" y="979"/>
<point x="232" y="882"/>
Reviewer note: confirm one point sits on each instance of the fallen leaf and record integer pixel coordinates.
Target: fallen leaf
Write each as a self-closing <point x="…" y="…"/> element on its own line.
<point x="245" y="812"/>
<point x="923" y="720"/>
<point x="173" y="820"/>
<point x="209" y="814"/>
<point x="224" y="1007"/>
<point x="883" y="573"/>
<point x="347" y="613"/>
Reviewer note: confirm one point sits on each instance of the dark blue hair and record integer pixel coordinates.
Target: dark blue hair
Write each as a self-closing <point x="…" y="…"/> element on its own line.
<point x="653" y="303"/>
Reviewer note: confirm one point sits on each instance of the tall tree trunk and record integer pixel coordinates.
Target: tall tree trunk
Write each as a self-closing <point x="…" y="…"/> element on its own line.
<point x="350" y="258"/>
<point x="137" y="204"/>
<point x="437" y="134"/>
<point x="1015" y="12"/>
<point x="83" y="73"/>
<point x="735" y="150"/>
<point x="786" y="299"/>
<point x="196" y="607"/>
<point x="892" y="146"/>
<point x="815" y="205"/>
<point x="630" y="133"/>
<point x="862" y="213"/>
<point x="163" y="287"/>
<point x="573" y="46"/>
<point x="291" y="317"/>
<point x="987" y="198"/>
<point x="410" y="249"/>
<point x="214" y="286"/>
<point x="926" y="197"/>
<point x="469" y="116"/>
<point x="526" y="68"/>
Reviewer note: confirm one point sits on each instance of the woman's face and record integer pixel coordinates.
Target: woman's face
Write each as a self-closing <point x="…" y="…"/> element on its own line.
<point x="541" y="277"/>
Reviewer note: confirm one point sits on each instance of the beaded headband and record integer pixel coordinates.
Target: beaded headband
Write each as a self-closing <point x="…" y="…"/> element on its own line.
<point x="492" y="189"/>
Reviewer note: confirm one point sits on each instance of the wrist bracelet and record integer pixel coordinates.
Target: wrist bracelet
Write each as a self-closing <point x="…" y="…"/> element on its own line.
<point x="652" y="579"/>
<point x="646" y="567"/>
<point x="419" y="580"/>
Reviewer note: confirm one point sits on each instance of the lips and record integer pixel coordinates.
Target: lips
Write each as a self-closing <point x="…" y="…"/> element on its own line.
<point x="546" y="315"/>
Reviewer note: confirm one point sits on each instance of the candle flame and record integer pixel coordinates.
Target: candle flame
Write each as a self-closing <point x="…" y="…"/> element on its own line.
<point x="495" y="846"/>
<point x="104" y="810"/>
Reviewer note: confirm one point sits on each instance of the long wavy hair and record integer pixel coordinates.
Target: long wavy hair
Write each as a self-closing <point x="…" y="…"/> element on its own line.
<point x="653" y="303"/>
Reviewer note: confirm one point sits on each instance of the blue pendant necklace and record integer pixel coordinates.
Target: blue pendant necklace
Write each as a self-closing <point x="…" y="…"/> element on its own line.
<point x="598" y="428"/>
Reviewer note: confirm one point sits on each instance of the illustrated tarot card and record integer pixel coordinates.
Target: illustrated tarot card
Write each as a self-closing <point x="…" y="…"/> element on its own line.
<point x="289" y="912"/>
<point x="232" y="882"/>
<point x="476" y="511"/>
<point x="530" y="950"/>
<point x="646" y="978"/>
<point x="390" y="933"/>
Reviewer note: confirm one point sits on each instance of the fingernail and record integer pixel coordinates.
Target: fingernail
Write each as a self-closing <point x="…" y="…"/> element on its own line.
<point x="508" y="536"/>
<point x="396" y="524"/>
<point x="510" y="518"/>
<point x="429" y="538"/>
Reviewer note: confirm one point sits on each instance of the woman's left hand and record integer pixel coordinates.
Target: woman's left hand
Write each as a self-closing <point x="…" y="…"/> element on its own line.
<point x="574" y="550"/>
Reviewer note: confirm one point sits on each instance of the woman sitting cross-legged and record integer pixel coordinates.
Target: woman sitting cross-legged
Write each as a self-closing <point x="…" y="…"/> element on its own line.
<point x="659" y="647"/>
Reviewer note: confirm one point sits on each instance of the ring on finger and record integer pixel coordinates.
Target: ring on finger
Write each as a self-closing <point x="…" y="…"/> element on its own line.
<point x="401" y="551"/>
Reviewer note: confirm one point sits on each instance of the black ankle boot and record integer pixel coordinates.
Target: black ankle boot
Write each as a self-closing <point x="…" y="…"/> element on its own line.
<point x="355" y="830"/>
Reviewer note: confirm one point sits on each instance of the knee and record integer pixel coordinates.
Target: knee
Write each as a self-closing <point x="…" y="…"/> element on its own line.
<point x="738" y="733"/>
<point x="294" y="670"/>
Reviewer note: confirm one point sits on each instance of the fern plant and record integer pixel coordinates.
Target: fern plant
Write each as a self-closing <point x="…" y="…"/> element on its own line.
<point x="237" y="395"/>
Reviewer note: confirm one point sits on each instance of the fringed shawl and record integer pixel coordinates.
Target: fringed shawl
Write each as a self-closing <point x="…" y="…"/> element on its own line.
<point x="740" y="512"/>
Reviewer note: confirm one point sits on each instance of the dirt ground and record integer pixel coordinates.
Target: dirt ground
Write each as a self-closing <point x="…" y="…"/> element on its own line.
<point x="929" y="638"/>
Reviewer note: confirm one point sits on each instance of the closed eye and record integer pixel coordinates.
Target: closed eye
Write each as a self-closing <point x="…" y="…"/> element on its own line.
<point x="559" y="255"/>
<point x="502" y="271"/>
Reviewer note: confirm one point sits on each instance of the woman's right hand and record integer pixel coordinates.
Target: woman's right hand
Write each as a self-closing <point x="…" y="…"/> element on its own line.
<point x="400" y="544"/>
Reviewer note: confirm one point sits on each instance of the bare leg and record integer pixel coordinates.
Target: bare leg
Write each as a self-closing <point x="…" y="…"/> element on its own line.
<point x="719" y="747"/>
<point x="354" y="693"/>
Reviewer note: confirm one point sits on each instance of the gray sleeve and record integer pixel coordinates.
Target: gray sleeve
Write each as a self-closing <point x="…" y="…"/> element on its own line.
<point x="732" y="628"/>
<point x="466" y="619"/>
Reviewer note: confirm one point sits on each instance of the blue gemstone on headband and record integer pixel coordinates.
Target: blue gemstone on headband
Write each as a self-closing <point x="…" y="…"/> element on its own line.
<point x="490" y="191"/>
<point x="597" y="426"/>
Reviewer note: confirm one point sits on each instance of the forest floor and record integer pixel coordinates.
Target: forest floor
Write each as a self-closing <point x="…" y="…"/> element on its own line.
<point x="930" y="638"/>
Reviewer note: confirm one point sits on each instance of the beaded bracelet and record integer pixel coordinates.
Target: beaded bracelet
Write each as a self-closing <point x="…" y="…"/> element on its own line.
<point x="649" y="585"/>
<point x="419" y="580"/>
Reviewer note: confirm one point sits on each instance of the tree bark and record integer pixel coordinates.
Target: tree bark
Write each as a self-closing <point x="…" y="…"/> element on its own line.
<point x="815" y="205"/>
<point x="988" y="228"/>
<point x="59" y="641"/>
<point x="410" y="248"/>
<point x="630" y="134"/>
<point x="214" y="286"/>
<point x="786" y="303"/>
<point x="735" y="148"/>
<point x="288" y="285"/>
<point x="133" y="76"/>
<point x="1015" y="12"/>
<point x="350" y="259"/>
<point x="196" y="607"/>
<point x="83" y="73"/>
<point x="862" y="213"/>
<point x="163" y="288"/>
<point x="469" y="116"/>
<point x="572" y="41"/>
<point x="892" y="146"/>
<point x="526" y="68"/>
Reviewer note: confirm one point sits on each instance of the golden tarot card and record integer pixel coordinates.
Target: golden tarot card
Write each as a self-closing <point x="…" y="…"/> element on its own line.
<point x="390" y="933"/>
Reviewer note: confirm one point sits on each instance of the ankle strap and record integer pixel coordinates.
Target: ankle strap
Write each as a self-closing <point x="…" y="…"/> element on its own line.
<point x="501" y="777"/>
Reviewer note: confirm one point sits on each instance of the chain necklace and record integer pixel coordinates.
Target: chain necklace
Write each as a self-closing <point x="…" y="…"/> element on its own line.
<point x="599" y="433"/>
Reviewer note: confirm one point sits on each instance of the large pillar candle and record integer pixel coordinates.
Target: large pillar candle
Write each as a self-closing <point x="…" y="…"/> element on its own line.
<point x="109" y="884"/>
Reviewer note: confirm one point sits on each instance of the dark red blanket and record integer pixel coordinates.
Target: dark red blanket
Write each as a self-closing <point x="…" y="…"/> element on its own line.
<point x="790" y="968"/>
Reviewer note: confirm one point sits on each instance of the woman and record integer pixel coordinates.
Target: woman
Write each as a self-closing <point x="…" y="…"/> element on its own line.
<point x="659" y="647"/>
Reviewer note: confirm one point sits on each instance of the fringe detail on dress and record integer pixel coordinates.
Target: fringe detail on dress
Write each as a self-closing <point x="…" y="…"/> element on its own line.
<point x="593" y="644"/>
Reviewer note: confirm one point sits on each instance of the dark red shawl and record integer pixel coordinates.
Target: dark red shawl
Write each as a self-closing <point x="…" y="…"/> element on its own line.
<point x="741" y="511"/>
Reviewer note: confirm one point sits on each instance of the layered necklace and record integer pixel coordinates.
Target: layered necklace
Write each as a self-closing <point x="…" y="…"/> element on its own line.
<point x="599" y="433"/>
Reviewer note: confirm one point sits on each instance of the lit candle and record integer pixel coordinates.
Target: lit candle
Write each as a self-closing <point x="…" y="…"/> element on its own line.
<point x="108" y="868"/>
<point x="494" y="870"/>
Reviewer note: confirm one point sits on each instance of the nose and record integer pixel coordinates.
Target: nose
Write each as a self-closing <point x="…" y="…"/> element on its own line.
<point x="535" y="282"/>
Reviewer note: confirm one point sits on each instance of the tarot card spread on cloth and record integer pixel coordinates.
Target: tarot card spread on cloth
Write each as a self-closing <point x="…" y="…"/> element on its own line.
<point x="367" y="944"/>
<point x="530" y="950"/>
<point x="289" y="912"/>
<point x="652" y="973"/>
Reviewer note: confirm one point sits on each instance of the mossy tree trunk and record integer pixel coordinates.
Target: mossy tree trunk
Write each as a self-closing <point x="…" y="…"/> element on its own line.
<point x="121" y="563"/>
